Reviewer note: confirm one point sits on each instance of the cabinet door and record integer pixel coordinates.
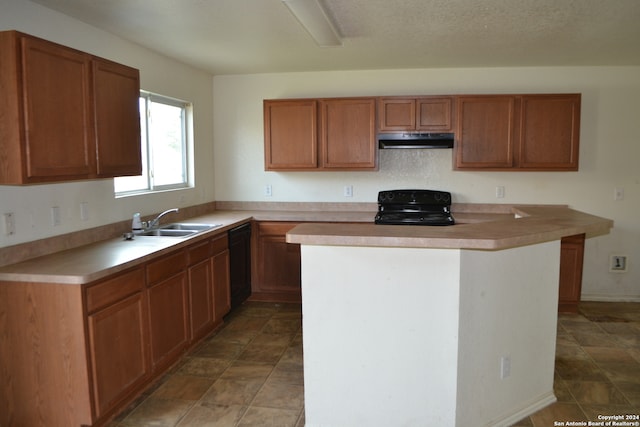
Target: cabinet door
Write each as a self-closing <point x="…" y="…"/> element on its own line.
<point x="485" y="132"/>
<point x="571" y="262"/>
<point x="434" y="114"/>
<point x="348" y="137"/>
<point x="290" y="135"/>
<point x="116" y="93"/>
<point x="200" y="299"/>
<point x="550" y="132"/>
<point x="168" y="319"/>
<point x="221" y="289"/>
<point x="397" y="114"/>
<point x="427" y="114"/>
<point x="117" y="351"/>
<point x="58" y="130"/>
<point x="200" y="290"/>
<point x="277" y="263"/>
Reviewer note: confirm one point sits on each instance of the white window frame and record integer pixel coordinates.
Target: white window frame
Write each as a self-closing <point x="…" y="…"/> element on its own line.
<point x="187" y="144"/>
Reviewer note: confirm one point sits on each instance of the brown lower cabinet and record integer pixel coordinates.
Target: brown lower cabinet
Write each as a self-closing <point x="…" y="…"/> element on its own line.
<point x="275" y="272"/>
<point x="117" y="329"/>
<point x="168" y="318"/>
<point x="571" y="262"/>
<point x="75" y="355"/>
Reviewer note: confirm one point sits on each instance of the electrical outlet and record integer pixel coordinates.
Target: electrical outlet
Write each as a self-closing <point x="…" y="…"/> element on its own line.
<point x="9" y="224"/>
<point x="500" y="192"/>
<point x="84" y="211"/>
<point x="618" y="263"/>
<point x="268" y="190"/>
<point x="55" y="216"/>
<point x="348" y="191"/>
<point x="505" y="367"/>
<point x="618" y="193"/>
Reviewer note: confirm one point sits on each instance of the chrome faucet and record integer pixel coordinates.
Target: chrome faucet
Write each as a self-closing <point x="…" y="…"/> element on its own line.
<point x="154" y="223"/>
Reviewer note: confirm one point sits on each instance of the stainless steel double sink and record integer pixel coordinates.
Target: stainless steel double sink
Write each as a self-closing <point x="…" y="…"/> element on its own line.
<point x="179" y="229"/>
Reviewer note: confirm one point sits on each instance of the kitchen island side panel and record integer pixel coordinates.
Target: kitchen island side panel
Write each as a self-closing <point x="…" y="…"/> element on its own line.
<point x="380" y="335"/>
<point x="508" y="325"/>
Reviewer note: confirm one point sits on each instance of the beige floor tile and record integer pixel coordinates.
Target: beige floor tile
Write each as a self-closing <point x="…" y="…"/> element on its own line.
<point x="596" y="393"/>
<point x="248" y="371"/>
<point x="286" y="373"/>
<point x="230" y="392"/>
<point x="609" y="354"/>
<point x="281" y="396"/>
<point x="220" y="350"/>
<point x="631" y="390"/>
<point x="213" y="415"/>
<point x="283" y="340"/>
<point x="183" y="387"/>
<point x="204" y="367"/>
<point x="579" y="370"/>
<point x="622" y="371"/>
<point x="155" y="412"/>
<point x="269" y="417"/>
<point x="558" y="411"/>
<point x="262" y="353"/>
<point x="282" y="325"/>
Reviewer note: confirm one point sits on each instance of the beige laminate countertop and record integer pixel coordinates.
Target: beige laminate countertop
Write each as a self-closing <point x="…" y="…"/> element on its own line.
<point x="517" y="226"/>
<point x="477" y="227"/>
<point x="89" y="263"/>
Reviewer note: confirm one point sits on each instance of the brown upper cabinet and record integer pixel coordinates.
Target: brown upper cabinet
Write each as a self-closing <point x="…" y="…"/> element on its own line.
<point x="518" y="132"/>
<point x="320" y="134"/>
<point x="425" y="113"/>
<point x="65" y="114"/>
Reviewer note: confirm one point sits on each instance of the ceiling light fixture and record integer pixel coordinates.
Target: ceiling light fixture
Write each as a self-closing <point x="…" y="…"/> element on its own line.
<point x="315" y="20"/>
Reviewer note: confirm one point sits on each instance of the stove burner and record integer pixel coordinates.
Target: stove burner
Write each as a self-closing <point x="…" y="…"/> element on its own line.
<point x="414" y="207"/>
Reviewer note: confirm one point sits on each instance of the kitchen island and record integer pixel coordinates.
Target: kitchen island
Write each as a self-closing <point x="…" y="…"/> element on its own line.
<point x="447" y="326"/>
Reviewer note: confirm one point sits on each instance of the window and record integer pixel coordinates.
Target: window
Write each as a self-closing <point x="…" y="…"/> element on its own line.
<point x="163" y="131"/>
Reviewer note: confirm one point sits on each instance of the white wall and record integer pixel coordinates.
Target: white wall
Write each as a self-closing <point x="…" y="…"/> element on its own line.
<point x="31" y="204"/>
<point x="609" y="151"/>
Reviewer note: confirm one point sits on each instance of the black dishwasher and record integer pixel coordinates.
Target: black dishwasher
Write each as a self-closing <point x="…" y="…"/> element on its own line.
<point x="240" y="263"/>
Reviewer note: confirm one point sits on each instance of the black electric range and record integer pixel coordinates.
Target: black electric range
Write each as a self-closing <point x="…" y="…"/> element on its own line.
<point x="414" y="207"/>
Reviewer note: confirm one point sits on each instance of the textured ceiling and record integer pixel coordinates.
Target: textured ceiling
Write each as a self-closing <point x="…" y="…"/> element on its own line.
<point x="255" y="36"/>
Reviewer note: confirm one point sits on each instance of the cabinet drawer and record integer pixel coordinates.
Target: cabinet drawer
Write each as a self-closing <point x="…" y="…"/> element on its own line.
<point x="114" y="289"/>
<point x="220" y="244"/>
<point x="166" y="267"/>
<point x="199" y="252"/>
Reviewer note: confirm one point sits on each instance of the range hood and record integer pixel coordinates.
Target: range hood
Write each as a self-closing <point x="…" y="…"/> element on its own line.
<point x="415" y="140"/>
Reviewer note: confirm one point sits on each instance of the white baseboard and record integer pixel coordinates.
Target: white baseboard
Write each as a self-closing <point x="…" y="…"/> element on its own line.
<point x="529" y="408"/>
<point x="610" y="298"/>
